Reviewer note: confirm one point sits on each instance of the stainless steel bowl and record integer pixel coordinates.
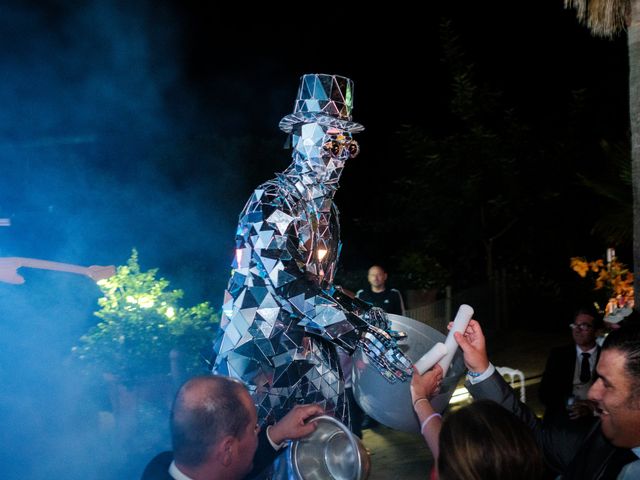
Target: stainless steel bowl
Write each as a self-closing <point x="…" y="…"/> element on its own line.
<point x="331" y="452"/>
<point x="390" y="403"/>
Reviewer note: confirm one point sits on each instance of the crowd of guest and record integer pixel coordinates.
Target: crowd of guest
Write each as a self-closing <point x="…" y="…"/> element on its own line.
<point x="504" y="439"/>
<point x="591" y="427"/>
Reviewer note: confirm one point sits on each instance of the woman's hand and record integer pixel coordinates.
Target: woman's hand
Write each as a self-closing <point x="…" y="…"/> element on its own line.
<point x="427" y="384"/>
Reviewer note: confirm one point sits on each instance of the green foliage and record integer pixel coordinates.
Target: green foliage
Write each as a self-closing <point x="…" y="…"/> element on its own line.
<point x="422" y="271"/>
<point x="468" y="182"/>
<point x="614" y="187"/>
<point x="485" y="190"/>
<point x="141" y="323"/>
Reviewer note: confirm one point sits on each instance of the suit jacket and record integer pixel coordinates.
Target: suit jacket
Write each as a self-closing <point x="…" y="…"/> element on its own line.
<point x="578" y="454"/>
<point x="158" y="467"/>
<point x="557" y="380"/>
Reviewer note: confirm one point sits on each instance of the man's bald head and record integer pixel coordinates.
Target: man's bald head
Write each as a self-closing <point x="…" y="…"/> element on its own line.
<point x="205" y="410"/>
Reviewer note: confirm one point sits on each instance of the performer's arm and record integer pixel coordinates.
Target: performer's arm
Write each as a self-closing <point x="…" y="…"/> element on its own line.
<point x="272" y="251"/>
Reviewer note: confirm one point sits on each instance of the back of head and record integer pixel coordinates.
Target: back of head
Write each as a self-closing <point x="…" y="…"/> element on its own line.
<point x="633" y="318"/>
<point x="205" y="410"/>
<point x="484" y="441"/>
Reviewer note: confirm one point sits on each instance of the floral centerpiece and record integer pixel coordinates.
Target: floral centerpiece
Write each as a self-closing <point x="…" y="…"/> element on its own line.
<point x="615" y="279"/>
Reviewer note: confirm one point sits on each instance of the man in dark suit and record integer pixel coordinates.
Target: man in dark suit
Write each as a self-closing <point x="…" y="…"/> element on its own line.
<point x="571" y="370"/>
<point x="611" y="450"/>
<point x="215" y="433"/>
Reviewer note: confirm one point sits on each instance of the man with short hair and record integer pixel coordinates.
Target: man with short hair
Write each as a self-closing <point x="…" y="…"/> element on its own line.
<point x="571" y="370"/>
<point x="215" y="433"/>
<point x="612" y="447"/>
<point x="390" y="300"/>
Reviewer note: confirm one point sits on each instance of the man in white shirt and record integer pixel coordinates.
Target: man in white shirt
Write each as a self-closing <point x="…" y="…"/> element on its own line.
<point x="571" y="370"/>
<point x="215" y="433"/>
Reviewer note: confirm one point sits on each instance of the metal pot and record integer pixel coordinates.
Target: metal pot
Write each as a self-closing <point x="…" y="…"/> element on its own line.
<point x="331" y="452"/>
<point x="390" y="403"/>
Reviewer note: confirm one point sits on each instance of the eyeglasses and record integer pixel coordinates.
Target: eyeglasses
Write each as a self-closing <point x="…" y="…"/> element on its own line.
<point x="336" y="147"/>
<point x="581" y="326"/>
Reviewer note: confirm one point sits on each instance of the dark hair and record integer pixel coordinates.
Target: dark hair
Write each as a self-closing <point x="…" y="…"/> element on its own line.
<point x="592" y="312"/>
<point x="627" y="340"/>
<point x="632" y="319"/>
<point x="484" y="441"/>
<point x="205" y="410"/>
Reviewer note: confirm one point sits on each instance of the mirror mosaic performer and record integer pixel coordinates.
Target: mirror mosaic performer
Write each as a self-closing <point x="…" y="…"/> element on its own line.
<point x="282" y="316"/>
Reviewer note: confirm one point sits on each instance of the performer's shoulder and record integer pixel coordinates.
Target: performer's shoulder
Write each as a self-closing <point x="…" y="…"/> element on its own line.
<point x="270" y="194"/>
<point x="270" y="188"/>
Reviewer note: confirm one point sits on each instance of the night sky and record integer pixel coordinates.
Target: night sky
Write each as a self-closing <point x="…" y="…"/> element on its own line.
<point x="148" y="124"/>
<point x="162" y="118"/>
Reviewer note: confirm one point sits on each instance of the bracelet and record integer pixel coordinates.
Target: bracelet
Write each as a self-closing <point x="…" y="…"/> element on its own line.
<point x="424" y="424"/>
<point x="474" y="374"/>
<point x="418" y="400"/>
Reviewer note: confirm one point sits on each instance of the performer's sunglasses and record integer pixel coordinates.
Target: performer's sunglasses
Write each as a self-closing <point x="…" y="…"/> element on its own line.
<point x="336" y="147"/>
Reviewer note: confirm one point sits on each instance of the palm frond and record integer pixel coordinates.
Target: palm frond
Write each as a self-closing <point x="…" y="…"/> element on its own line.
<point x="605" y="18"/>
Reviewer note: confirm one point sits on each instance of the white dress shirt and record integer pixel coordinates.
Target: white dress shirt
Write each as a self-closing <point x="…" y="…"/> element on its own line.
<point x="631" y="471"/>
<point x="580" y="389"/>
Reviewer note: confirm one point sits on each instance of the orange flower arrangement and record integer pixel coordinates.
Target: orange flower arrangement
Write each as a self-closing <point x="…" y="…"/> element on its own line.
<point x="615" y="278"/>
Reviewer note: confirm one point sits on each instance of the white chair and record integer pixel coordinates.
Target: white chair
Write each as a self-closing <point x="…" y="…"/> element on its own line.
<point x="514" y="374"/>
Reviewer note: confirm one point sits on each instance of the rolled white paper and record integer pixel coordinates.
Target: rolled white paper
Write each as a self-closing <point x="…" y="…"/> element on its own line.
<point x="430" y="358"/>
<point x="465" y="312"/>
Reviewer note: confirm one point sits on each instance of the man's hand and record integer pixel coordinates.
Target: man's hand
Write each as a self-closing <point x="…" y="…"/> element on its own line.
<point x="292" y="426"/>
<point x="473" y="345"/>
<point x="581" y="408"/>
<point x="427" y="384"/>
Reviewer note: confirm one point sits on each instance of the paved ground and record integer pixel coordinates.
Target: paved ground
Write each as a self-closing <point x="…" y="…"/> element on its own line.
<point x="405" y="456"/>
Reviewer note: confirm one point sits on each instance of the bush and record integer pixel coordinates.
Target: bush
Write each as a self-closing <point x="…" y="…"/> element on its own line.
<point x="141" y="324"/>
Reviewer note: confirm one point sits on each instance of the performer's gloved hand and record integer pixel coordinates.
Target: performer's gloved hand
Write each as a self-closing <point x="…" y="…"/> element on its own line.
<point x="377" y="317"/>
<point x="383" y="350"/>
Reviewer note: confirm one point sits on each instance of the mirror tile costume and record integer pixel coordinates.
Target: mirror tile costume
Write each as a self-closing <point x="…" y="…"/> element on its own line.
<point x="282" y="317"/>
